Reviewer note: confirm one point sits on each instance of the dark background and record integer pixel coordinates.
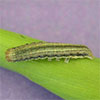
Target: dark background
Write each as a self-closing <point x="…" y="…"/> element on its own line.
<point x="68" y="21"/>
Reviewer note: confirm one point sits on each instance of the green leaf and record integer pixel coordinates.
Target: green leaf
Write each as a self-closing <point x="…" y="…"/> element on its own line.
<point x="77" y="80"/>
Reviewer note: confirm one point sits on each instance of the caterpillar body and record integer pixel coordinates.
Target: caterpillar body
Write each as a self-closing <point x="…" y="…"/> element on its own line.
<point x="43" y="50"/>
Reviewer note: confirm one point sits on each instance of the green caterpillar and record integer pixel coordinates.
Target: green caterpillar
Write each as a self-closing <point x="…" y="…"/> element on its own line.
<point x="43" y="50"/>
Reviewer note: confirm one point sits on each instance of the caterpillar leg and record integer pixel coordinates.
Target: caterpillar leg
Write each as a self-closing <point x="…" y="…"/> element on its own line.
<point x="57" y="59"/>
<point x="67" y="60"/>
<point x="49" y="59"/>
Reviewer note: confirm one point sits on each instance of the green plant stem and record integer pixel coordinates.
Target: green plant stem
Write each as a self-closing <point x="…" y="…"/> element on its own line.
<point x="77" y="80"/>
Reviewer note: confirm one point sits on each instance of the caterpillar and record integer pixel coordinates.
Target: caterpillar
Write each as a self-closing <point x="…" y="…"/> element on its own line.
<point x="49" y="50"/>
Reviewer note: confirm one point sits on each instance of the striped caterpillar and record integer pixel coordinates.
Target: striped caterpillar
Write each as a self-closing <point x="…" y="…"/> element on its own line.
<point x="43" y="50"/>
